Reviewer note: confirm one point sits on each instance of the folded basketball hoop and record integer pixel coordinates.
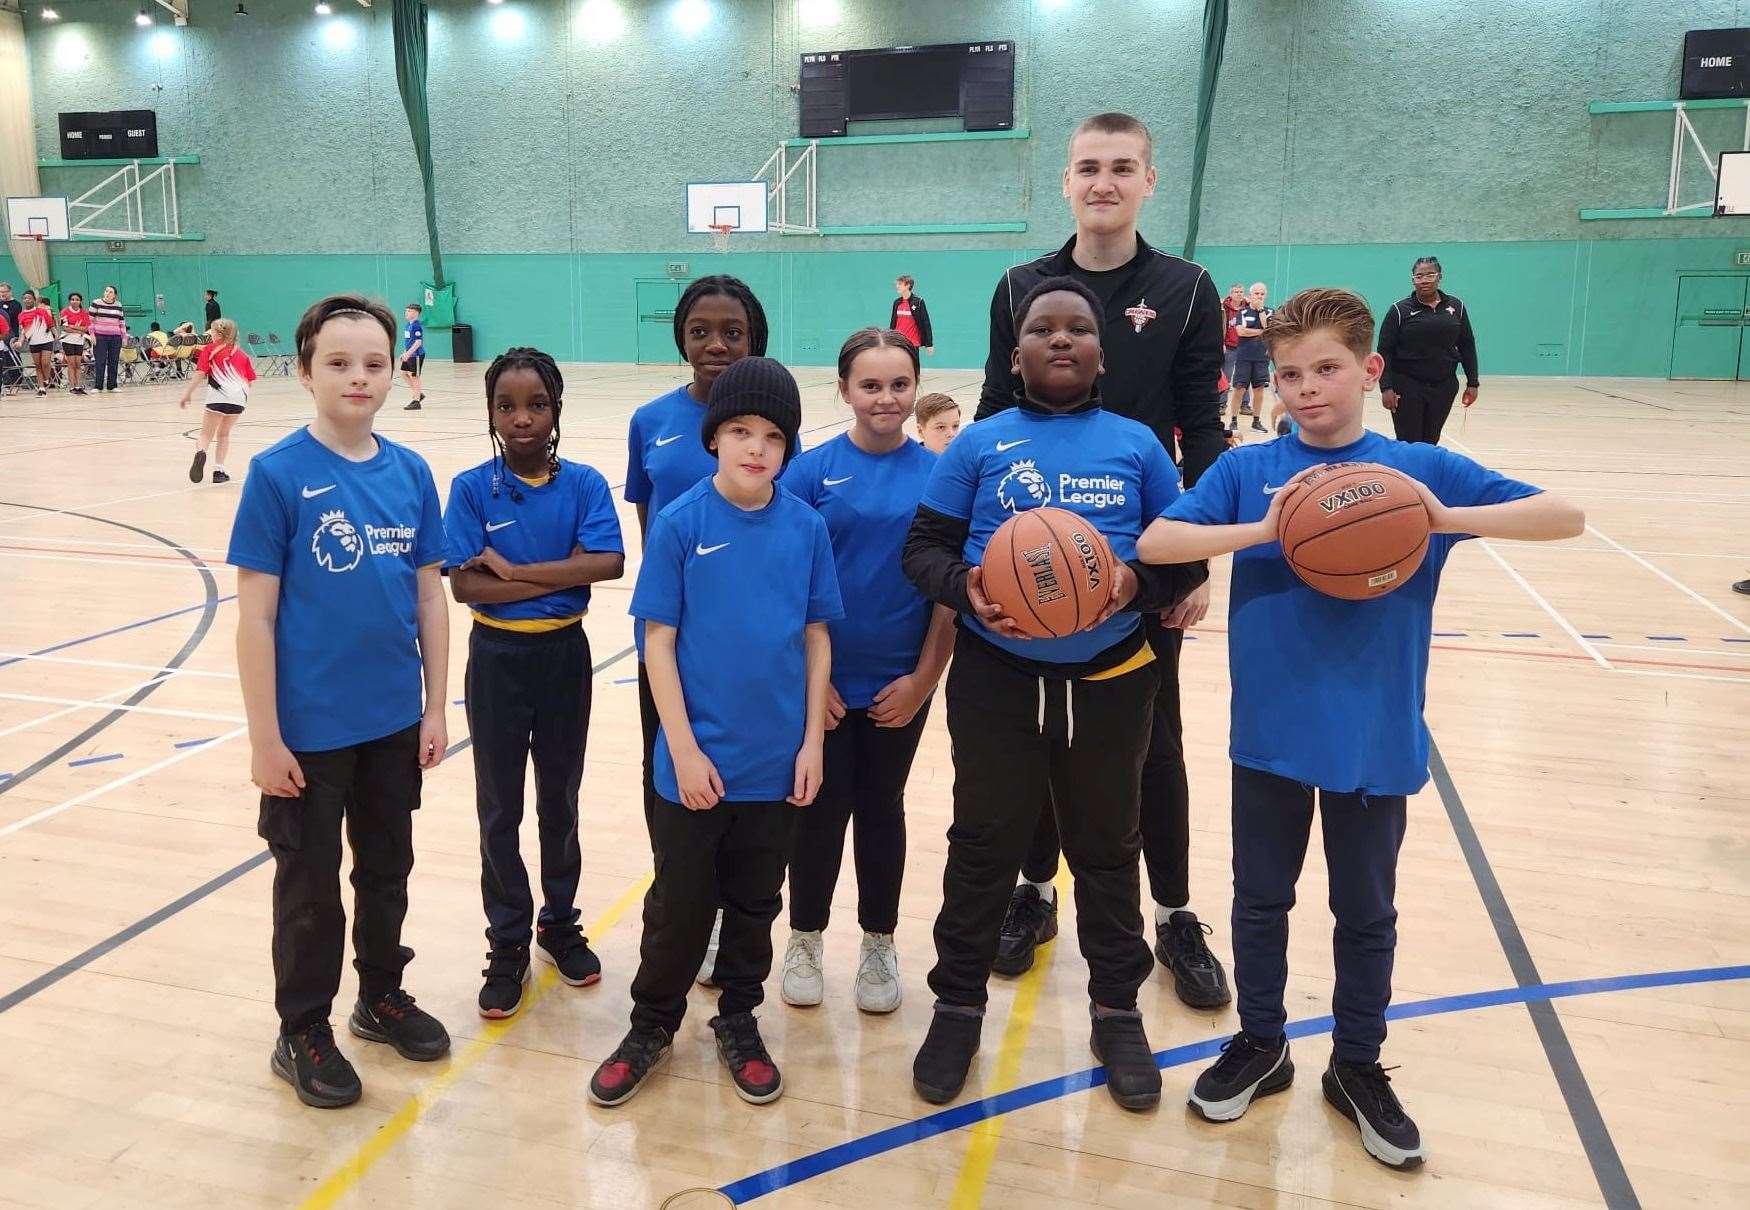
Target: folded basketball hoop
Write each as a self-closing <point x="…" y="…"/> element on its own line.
<point x="720" y="236"/>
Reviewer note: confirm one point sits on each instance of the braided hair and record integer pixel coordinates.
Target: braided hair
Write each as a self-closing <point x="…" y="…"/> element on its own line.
<point x="728" y="287"/>
<point x="524" y="358"/>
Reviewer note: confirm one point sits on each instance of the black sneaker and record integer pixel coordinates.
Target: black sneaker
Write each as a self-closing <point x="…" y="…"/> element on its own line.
<point x="1030" y="923"/>
<point x="1197" y="973"/>
<point x="757" y="1079"/>
<point x="1362" y="1093"/>
<point x="622" y="1073"/>
<point x="394" y="1018"/>
<point x="1258" y="425"/>
<point x="221" y="477"/>
<point x="507" y="971"/>
<point x="1131" y="1075"/>
<point x="1742" y="586"/>
<point x="198" y="468"/>
<point x="414" y="406"/>
<point x="939" y="1071"/>
<point x="569" y="950"/>
<point x="313" y="1065"/>
<point x="1247" y="1068"/>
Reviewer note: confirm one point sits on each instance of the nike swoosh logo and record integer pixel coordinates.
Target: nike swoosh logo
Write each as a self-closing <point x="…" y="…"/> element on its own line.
<point x="707" y="550"/>
<point x="492" y="529"/>
<point x="1271" y="491"/>
<point x="836" y="482"/>
<point x="667" y="440"/>
<point x="310" y="493"/>
<point x="1004" y="447"/>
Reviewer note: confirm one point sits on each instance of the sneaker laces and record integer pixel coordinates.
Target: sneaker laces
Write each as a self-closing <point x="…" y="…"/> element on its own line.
<point x="1023" y="914"/>
<point x="879" y="958"/>
<point x="741" y="1039"/>
<point x="398" y="1004"/>
<point x="638" y="1050"/>
<point x="318" y="1042"/>
<point x="1236" y="1052"/>
<point x="803" y="953"/>
<point x="1373" y="1080"/>
<point x="1187" y="935"/>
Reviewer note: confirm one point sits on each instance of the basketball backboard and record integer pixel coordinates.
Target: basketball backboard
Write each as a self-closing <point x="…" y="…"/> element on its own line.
<point x="36" y="218"/>
<point x="1732" y="195"/>
<point x="740" y="205"/>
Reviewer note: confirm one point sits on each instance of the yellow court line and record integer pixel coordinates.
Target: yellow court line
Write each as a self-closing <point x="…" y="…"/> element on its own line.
<point x="981" y="1148"/>
<point x="341" y="1181"/>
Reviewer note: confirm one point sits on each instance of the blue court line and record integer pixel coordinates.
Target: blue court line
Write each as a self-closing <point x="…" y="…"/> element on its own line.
<point x="1451" y="634"/>
<point x="93" y="760"/>
<point x="104" y="634"/>
<point x="195" y="743"/>
<point x="1733" y="639"/>
<point x="1595" y="636"/>
<point x="626" y="680"/>
<point x="1520" y="634"/>
<point x="783" y="1176"/>
<point x="1667" y="638"/>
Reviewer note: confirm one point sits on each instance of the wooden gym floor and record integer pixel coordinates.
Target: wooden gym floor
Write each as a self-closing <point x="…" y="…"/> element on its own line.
<point x="1575" y="890"/>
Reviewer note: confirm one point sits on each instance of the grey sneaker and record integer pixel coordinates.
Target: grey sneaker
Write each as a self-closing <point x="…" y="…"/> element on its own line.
<point x="804" y="985"/>
<point x="878" y="988"/>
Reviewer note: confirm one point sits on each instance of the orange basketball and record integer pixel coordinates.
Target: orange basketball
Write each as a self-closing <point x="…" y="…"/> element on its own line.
<point x="1354" y="530"/>
<point x="1050" y="570"/>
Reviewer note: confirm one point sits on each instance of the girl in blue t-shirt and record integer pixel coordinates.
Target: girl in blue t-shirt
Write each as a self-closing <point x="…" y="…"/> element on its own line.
<point x="717" y="322"/>
<point x="528" y="533"/>
<point x="888" y="654"/>
<point x="343" y="656"/>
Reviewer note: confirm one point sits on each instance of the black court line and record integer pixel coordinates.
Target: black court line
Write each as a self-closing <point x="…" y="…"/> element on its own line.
<point x="1627" y="399"/>
<point x="209" y="609"/>
<point x="146" y="923"/>
<point x="1607" y="1168"/>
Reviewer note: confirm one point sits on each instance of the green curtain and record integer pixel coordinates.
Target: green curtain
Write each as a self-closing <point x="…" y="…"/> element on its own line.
<point x="410" y="73"/>
<point x="1214" y="41"/>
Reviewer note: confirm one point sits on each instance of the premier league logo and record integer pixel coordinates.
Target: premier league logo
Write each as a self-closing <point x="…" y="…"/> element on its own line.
<point x="336" y="544"/>
<point x="1023" y="487"/>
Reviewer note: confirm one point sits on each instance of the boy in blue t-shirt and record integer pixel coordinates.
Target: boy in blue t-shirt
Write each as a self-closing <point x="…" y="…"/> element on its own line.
<point x="341" y="624"/>
<point x="735" y="593"/>
<point x="1352" y="675"/>
<point x="1046" y="724"/>
<point x="528" y="533"/>
<point x="413" y="355"/>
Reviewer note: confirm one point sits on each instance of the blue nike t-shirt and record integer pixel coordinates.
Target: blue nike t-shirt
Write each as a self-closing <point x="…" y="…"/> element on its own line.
<point x="868" y="502"/>
<point x="739" y="588"/>
<point x="1331" y="691"/>
<point x="664" y="456"/>
<point x="347" y="540"/>
<point x="1109" y="469"/>
<point x="573" y="509"/>
<point x="413" y="334"/>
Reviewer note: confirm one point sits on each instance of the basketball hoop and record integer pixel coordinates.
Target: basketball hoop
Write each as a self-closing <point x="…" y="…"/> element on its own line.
<point x="720" y="236"/>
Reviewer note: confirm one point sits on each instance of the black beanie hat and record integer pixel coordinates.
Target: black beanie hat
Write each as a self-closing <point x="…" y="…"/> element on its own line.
<point x="755" y="386"/>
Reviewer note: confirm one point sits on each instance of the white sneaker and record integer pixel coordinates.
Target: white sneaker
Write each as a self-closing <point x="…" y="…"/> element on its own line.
<point x="878" y="988"/>
<point x="708" y="968"/>
<point x="803" y="983"/>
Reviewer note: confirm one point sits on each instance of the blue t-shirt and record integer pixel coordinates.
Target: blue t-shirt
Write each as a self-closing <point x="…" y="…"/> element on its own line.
<point x="415" y="331"/>
<point x="1251" y="348"/>
<point x="574" y="509"/>
<point x="664" y="456"/>
<point x="347" y="540"/>
<point x="868" y="501"/>
<point x="1109" y="469"/>
<point x="1330" y="692"/>
<point x="740" y="588"/>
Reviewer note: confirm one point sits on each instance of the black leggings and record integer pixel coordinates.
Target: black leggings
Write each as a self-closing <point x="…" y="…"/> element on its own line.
<point x="866" y="771"/>
<point x="1422" y="409"/>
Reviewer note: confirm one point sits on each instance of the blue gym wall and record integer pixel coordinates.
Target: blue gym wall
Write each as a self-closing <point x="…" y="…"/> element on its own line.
<point x="1350" y="136"/>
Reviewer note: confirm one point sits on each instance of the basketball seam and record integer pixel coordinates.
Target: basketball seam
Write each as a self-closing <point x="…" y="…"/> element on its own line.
<point x="1421" y="549"/>
<point x="1019" y="584"/>
<point x="1336" y="529"/>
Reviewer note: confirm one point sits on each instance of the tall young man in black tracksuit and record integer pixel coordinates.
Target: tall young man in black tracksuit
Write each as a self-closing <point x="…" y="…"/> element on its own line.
<point x="1164" y="329"/>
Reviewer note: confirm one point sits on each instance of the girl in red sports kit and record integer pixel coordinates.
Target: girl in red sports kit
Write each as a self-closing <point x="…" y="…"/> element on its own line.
<point x="75" y="338"/>
<point x="37" y="323"/>
<point x="227" y="372"/>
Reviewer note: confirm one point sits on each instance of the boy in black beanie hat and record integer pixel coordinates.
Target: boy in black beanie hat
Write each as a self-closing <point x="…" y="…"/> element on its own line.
<point x="736" y="589"/>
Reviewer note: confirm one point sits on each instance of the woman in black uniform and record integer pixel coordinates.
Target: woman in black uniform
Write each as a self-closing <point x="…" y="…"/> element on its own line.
<point x="1424" y="338"/>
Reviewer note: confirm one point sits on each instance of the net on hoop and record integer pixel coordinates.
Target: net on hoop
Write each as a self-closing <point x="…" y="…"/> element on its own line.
<point x="720" y="236"/>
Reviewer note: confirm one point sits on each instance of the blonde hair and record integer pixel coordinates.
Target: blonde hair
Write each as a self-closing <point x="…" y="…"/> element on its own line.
<point x="1343" y="312"/>
<point x="932" y="406"/>
<point x="1118" y="123"/>
<point x="224" y="331"/>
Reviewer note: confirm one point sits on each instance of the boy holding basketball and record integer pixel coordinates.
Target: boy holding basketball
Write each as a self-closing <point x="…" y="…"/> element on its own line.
<point x="1042" y="720"/>
<point x="1351" y="675"/>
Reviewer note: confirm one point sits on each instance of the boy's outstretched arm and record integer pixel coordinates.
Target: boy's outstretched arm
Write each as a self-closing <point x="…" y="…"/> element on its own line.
<point x="1168" y="541"/>
<point x="1545" y="517"/>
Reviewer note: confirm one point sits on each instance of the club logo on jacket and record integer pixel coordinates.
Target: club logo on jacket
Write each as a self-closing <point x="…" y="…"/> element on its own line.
<point x="336" y="544"/>
<point x="1023" y="487"/>
<point x="1139" y="315"/>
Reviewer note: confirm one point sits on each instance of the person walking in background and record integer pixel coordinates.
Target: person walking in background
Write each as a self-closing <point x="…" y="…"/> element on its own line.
<point x="1424" y="339"/>
<point x="910" y="318"/>
<point x="213" y="311"/>
<point x="109" y="326"/>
